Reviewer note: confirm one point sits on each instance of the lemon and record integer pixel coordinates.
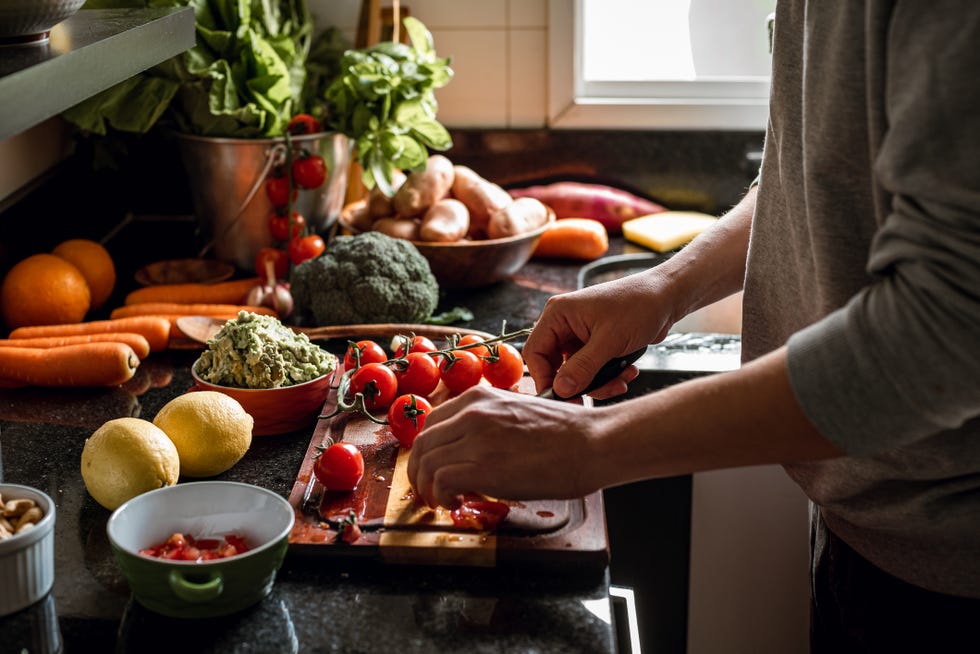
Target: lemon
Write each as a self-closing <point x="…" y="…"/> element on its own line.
<point x="210" y="429"/>
<point x="126" y="457"/>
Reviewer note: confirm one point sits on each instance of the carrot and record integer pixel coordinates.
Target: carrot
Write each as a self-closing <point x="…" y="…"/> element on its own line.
<point x="573" y="238"/>
<point x="230" y="292"/>
<point x="155" y="330"/>
<point x="190" y="309"/>
<point x="84" y="364"/>
<point x="138" y="342"/>
<point x="610" y="206"/>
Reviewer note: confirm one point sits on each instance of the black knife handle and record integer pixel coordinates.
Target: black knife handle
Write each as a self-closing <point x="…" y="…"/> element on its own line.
<point x="606" y="373"/>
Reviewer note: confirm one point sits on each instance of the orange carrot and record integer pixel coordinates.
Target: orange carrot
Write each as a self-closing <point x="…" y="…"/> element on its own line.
<point x="573" y="238"/>
<point x="230" y="292"/>
<point x="138" y="342"/>
<point x="85" y="364"/>
<point x="155" y="330"/>
<point x="178" y="309"/>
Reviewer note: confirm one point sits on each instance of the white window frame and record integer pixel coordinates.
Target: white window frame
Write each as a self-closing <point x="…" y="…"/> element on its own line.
<point x="731" y="103"/>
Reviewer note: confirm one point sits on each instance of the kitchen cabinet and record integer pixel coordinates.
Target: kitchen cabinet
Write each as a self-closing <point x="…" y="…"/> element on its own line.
<point x="86" y="54"/>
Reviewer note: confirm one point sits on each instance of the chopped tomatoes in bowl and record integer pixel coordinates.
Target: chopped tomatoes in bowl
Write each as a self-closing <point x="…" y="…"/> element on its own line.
<point x="181" y="547"/>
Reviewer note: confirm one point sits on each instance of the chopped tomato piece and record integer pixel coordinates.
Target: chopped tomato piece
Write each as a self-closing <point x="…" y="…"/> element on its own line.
<point x="479" y="514"/>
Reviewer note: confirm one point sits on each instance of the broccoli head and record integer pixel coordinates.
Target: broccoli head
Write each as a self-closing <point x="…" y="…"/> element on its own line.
<point x="367" y="278"/>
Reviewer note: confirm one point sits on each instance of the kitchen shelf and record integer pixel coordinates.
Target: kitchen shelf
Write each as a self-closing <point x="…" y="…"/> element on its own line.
<point x="86" y="54"/>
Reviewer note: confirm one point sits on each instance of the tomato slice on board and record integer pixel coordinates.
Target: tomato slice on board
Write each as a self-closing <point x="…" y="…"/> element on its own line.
<point x="479" y="513"/>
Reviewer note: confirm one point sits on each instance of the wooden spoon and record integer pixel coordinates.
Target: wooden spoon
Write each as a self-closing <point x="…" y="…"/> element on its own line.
<point x="203" y="328"/>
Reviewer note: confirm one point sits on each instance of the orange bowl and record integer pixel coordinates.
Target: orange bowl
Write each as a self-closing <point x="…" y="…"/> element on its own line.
<point x="276" y="410"/>
<point x="466" y="263"/>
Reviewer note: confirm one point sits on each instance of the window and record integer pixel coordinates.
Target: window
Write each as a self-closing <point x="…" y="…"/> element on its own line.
<point x="672" y="64"/>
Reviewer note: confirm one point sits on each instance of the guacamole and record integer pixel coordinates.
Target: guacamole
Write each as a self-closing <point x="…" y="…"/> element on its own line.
<point x="253" y="351"/>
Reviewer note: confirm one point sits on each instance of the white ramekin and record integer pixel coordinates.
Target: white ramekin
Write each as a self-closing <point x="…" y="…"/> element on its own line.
<point x="27" y="559"/>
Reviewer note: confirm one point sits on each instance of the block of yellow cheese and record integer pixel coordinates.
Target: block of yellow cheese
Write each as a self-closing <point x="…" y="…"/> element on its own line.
<point x="666" y="230"/>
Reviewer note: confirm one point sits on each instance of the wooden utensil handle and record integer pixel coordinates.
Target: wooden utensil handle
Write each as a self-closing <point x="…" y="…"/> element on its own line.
<point x="385" y="329"/>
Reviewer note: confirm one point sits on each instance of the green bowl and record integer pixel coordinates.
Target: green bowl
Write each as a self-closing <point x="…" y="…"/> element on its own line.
<point x="189" y="589"/>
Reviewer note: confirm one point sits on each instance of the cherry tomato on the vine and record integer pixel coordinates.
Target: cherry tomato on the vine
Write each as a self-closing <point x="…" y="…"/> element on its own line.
<point x="305" y="247"/>
<point x="309" y="171"/>
<point x="279" y="259"/>
<point x="280" y="225"/>
<point x="304" y="124"/>
<point x="339" y="467"/>
<point x="420" y="376"/>
<point x="377" y="383"/>
<point x="460" y="371"/>
<point x="418" y="344"/>
<point x="370" y="352"/>
<point x="479" y="350"/>
<point x="277" y="188"/>
<point x="504" y="366"/>
<point x="406" y="417"/>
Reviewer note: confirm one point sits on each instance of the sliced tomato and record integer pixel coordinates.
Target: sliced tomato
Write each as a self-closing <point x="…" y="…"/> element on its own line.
<point x="479" y="514"/>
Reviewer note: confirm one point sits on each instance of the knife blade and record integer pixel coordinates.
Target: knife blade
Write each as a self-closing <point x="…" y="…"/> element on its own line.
<point x="609" y="371"/>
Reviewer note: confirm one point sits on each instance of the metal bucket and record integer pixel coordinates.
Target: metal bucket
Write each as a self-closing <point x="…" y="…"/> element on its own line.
<point x="226" y="177"/>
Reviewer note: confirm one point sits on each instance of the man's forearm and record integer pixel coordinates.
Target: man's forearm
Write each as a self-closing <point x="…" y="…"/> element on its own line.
<point x="744" y="417"/>
<point x="712" y="266"/>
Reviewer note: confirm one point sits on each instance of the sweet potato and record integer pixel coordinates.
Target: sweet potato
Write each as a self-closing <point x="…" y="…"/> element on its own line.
<point x="573" y="238"/>
<point x="446" y="221"/>
<point x="423" y="188"/>
<point x="520" y="216"/>
<point x="379" y="205"/>
<point x="480" y="196"/>
<point x="610" y="206"/>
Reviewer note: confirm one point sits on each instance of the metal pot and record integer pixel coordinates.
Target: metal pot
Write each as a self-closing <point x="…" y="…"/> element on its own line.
<point x="226" y="177"/>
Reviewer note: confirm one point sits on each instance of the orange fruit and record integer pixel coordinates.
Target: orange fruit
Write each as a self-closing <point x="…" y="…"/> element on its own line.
<point x="95" y="264"/>
<point x="44" y="289"/>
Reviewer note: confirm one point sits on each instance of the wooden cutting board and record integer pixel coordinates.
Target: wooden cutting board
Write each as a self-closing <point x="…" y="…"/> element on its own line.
<point x="397" y="529"/>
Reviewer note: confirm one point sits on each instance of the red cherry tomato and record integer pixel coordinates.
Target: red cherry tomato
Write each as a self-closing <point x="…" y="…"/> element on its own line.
<point x="279" y="225"/>
<point x="377" y="383"/>
<point x="504" y="366"/>
<point x="277" y="188"/>
<point x="370" y="352"/>
<point x="418" y="344"/>
<point x="479" y="350"/>
<point x="279" y="259"/>
<point x="406" y="417"/>
<point x="420" y="375"/>
<point x="304" y="124"/>
<point x="309" y="171"/>
<point x="460" y="371"/>
<point x="339" y="467"/>
<point x="305" y="247"/>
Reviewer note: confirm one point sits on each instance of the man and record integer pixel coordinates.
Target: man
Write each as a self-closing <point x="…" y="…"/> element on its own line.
<point x="859" y="255"/>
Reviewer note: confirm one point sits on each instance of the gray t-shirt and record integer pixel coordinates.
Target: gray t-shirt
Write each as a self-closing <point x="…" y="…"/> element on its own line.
<point x="870" y="191"/>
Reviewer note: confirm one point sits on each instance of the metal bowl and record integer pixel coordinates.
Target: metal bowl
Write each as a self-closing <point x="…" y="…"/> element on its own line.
<point x="30" y="21"/>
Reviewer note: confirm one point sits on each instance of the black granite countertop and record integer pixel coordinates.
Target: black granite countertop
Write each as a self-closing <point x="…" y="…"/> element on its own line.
<point x="317" y="604"/>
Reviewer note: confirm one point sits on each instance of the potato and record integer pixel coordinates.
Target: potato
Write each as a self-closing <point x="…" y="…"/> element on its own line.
<point x="378" y="204"/>
<point x="521" y="215"/>
<point x="406" y="228"/>
<point x="480" y="196"/>
<point x="423" y="188"/>
<point x="360" y="218"/>
<point x="446" y="221"/>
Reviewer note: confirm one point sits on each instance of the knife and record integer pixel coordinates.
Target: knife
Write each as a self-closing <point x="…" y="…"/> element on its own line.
<point x="606" y="373"/>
